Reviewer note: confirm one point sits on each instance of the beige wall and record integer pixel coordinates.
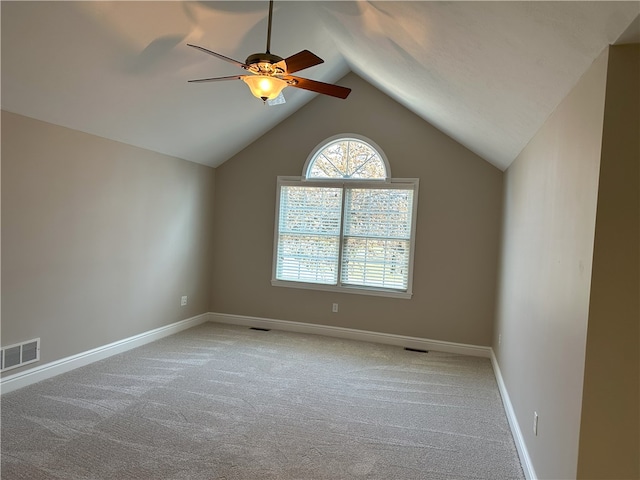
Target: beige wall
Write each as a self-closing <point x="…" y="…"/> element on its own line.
<point x="546" y="260"/>
<point x="99" y="239"/>
<point x="609" y="432"/>
<point x="458" y="227"/>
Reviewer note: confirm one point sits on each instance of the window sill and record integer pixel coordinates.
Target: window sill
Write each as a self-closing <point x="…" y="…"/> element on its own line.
<point x="333" y="288"/>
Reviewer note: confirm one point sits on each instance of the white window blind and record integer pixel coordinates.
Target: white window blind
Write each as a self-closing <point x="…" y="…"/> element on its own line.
<point x="309" y="234"/>
<point x="377" y="237"/>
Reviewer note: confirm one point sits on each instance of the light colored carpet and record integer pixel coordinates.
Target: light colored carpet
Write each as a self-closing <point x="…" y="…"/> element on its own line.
<point x="226" y="402"/>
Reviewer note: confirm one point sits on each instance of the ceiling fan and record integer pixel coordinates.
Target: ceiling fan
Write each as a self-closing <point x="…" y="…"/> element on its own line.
<point x="269" y="74"/>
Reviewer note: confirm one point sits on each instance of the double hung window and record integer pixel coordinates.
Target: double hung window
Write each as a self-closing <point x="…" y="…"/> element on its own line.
<point x="346" y="225"/>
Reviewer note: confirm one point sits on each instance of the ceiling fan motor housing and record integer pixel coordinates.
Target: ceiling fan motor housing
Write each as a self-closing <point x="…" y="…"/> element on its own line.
<point x="265" y="64"/>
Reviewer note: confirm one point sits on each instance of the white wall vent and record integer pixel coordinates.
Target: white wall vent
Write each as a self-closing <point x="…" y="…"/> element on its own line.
<point x="19" y="354"/>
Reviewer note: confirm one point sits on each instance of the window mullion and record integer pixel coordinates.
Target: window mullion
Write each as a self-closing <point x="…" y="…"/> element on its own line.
<point x="341" y="244"/>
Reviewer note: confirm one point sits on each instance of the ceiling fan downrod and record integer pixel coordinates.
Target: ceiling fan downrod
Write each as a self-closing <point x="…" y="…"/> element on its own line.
<point x="265" y="63"/>
<point x="269" y="26"/>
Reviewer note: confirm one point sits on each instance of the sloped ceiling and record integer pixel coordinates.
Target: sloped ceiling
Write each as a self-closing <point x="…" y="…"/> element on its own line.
<point x="486" y="73"/>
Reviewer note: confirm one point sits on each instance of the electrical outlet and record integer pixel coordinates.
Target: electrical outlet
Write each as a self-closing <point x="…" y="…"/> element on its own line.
<point x="500" y="339"/>
<point x="183" y="301"/>
<point x="334" y="309"/>
<point x="535" y="423"/>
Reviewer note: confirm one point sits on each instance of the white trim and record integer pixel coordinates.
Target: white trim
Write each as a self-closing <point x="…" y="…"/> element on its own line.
<point x="352" y="334"/>
<point x="525" y="459"/>
<point x="51" y="369"/>
<point x="378" y="292"/>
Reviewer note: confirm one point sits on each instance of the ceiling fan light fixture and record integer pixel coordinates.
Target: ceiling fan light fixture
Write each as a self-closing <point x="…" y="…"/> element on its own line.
<point x="264" y="87"/>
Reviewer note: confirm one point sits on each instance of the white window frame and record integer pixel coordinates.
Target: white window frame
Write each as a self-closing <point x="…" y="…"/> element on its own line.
<point x="410" y="183"/>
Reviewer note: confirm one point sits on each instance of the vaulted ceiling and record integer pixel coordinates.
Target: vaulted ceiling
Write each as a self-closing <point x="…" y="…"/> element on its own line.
<point x="488" y="74"/>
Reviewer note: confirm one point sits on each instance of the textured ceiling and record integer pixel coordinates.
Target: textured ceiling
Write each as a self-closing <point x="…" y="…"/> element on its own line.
<point x="486" y="73"/>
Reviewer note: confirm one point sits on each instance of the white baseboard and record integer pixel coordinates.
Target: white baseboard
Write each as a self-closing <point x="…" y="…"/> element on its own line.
<point x="525" y="459"/>
<point x="352" y="334"/>
<point x="48" y="370"/>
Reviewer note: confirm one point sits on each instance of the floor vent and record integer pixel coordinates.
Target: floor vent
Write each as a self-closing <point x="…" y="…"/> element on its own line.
<point x="260" y="329"/>
<point x="14" y="356"/>
<point x="416" y="350"/>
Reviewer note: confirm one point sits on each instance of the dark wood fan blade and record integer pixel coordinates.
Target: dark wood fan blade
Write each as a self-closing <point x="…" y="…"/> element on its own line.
<point x="217" y="79"/>
<point x="319" y="87"/>
<point x="301" y="60"/>
<point x="222" y="57"/>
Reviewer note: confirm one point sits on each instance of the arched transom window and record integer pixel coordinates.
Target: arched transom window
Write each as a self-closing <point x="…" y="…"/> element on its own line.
<point x="347" y="158"/>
